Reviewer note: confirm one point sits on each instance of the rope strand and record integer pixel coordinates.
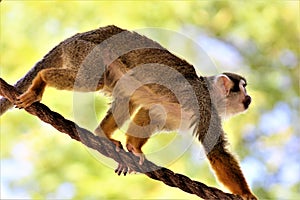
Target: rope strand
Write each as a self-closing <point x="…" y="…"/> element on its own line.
<point x="107" y="148"/>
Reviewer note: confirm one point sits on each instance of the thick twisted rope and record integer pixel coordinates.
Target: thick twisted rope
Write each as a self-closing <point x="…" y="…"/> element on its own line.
<point x="107" y="148"/>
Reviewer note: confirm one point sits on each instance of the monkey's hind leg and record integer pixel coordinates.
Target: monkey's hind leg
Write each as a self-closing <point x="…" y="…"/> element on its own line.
<point x="59" y="78"/>
<point x="34" y="92"/>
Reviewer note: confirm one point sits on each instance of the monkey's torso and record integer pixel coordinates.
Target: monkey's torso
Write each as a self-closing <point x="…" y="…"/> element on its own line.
<point x="150" y="75"/>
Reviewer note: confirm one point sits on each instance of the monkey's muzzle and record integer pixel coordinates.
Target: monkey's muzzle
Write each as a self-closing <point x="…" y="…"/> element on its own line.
<point x="247" y="101"/>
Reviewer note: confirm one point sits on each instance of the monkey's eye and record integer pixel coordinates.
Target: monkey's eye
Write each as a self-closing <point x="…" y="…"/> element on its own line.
<point x="235" y="89"/>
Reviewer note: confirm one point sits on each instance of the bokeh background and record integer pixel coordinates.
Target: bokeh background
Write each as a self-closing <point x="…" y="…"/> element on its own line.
<point x="259" y="39"/>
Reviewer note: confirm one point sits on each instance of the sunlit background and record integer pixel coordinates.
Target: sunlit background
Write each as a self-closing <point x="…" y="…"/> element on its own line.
<point x="259" y="39"/>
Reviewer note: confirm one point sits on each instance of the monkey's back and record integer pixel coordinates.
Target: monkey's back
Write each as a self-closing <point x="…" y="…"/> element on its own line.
<point x="135" y="49"/>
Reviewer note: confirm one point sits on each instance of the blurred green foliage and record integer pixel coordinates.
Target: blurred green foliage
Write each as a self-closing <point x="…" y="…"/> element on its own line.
<point x="38" y="162"/>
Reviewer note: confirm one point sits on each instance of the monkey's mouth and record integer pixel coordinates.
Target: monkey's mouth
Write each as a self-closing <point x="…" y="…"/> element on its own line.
<point x="247" y="102"/>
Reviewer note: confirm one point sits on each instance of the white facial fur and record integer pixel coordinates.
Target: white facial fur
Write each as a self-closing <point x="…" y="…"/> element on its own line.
<point x="229" y="103"/>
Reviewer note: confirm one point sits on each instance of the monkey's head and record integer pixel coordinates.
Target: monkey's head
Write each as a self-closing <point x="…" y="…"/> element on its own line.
<point x="228" y="92"/>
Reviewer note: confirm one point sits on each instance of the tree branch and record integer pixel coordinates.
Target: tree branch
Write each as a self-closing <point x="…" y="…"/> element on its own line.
<point x="107" y="148"/>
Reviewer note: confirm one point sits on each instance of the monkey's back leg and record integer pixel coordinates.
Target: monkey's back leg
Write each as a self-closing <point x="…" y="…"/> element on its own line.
<point x="62" y="79"/>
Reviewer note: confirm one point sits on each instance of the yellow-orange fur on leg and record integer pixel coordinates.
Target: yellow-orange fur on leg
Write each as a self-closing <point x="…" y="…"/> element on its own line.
<point x="34" y="92"/>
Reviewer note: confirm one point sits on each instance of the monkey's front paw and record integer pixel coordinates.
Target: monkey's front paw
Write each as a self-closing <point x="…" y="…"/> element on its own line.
<point x="118" y="144"/>
<point x="26" y="99"/>
<point x="141" y="156"/>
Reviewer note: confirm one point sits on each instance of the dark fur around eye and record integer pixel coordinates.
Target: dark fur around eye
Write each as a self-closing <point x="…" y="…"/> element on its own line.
<point x="235" y="88"/>
<point x="236" y="81"/>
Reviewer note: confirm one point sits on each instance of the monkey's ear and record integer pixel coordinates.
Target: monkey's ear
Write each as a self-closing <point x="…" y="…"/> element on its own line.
<point x="224" y="84"/>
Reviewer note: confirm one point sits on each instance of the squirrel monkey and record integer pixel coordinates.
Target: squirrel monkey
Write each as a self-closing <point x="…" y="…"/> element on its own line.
<point x="149" y="85"/>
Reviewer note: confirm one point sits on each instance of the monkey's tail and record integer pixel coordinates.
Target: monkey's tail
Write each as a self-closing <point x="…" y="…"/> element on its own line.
<point x="22" y="85"/>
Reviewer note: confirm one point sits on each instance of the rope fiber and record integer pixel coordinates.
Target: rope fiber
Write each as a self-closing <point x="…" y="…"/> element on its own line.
<point x="107" y="148"/>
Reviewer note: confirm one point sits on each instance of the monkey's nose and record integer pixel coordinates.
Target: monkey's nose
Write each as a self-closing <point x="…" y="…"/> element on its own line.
<point x="247" y="101"/>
